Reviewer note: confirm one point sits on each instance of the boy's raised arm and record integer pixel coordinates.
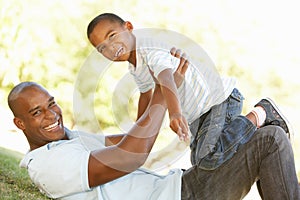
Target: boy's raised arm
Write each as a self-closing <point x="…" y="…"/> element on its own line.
<point x="169" y="90"/>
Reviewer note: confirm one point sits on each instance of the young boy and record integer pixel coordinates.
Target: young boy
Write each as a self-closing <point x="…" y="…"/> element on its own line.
<point x="212" y="111"/>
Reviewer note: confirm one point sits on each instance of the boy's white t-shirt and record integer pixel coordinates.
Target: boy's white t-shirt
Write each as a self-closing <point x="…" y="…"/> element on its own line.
<point x="201" y="89"/>
<point x="60" y="170"/>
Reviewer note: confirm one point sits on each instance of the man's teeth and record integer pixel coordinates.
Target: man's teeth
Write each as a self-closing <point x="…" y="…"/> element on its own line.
<point x="51" y="126"/>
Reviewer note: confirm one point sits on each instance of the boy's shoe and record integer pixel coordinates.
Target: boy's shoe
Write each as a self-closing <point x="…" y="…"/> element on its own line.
<point x="275" y="116"/>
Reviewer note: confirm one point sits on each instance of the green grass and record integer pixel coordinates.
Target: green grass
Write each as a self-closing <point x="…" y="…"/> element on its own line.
<point x="15" y="183"/>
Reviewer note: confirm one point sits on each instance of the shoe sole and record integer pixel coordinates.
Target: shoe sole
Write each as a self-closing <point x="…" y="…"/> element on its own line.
<point x="289" y="126"/>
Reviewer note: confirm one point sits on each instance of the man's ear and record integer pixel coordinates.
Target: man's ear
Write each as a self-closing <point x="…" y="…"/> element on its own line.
<point x="128" y="25"/>
<point x="19" y="123"/>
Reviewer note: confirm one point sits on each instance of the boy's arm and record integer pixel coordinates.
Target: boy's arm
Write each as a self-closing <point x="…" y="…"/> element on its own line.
<point x="178" y="78"/>
<point x="169" y="90"/>
<point x="143" y="103"/>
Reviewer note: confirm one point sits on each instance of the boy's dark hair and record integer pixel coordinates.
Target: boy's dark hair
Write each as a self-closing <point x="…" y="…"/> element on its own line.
<point x="104" y="16"/>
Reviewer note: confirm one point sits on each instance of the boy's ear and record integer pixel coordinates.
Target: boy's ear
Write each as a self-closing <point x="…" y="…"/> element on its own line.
<point x="19" y="123"/>
<point x="128" y="25"/>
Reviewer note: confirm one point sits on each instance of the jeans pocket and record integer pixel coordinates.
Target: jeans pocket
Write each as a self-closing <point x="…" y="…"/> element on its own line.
<point x="235" y="106"/>
<point x="237" y="95"/>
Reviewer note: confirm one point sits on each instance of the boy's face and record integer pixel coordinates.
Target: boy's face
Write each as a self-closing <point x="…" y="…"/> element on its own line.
<point x="113" y="40"/>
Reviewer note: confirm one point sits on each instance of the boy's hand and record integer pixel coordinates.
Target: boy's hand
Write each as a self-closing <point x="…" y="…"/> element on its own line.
<point x="178" y="122"/>
<point x="179" y="125"/>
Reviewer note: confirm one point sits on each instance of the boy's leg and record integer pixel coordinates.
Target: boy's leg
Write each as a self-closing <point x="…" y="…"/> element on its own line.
<point x="267" y="157"/>
<point x="219" y="133"/>
<point x="274" y="116"/>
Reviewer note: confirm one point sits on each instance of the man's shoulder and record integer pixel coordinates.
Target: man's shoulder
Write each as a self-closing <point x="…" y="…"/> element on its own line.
<point x="91" y="141"/>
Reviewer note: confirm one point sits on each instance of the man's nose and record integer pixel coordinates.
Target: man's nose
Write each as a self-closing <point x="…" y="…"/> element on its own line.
<point x="51" y="114"/>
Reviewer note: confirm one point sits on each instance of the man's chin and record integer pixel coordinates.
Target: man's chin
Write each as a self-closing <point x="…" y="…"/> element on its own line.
<point x="60" y="135"/>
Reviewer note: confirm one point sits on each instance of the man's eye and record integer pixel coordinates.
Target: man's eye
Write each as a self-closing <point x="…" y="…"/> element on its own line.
<point x="36" y="113"/>
<point x="53" y="103"/>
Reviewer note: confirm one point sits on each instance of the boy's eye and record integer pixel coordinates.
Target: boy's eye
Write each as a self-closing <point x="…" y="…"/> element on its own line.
<point x="112" y="36"/>
<point x="100" y="49"/>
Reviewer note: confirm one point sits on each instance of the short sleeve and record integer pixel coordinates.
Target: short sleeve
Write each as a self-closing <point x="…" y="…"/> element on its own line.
<point x="142" y="78"/>
<point x="159" y="60"/>
<point x="60" y="170"/>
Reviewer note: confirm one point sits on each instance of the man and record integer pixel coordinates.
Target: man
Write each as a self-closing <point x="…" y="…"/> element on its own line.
<point x="73" y="165"/>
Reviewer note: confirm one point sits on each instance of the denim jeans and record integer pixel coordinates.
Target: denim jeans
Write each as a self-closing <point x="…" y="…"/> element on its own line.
<point x="217" y="134"/>
<point x="267" y="157"/>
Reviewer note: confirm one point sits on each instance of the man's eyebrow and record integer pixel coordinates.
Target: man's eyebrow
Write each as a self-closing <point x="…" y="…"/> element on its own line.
<point x="51" y="99"/>
<point x="33" y="109"/>
<point x="37" y="107"/>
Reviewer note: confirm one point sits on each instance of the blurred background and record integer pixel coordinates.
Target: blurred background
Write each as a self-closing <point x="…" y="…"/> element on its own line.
<point x="45" y="41"/>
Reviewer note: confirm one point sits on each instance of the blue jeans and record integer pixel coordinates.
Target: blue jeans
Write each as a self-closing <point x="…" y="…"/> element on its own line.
<point x="217" y="134"/>
<point x="267" y="157"/>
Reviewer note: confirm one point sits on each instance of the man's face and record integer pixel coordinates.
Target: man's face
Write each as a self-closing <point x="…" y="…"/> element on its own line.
<point x="113" y="40"/>
<point x="39" y="117"/>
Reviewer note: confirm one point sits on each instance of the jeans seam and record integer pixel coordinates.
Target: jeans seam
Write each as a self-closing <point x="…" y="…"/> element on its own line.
<point x="281" y="174"/>
<point x="249" y="127"/>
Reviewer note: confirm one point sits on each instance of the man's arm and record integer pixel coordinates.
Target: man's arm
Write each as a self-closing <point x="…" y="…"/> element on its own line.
<point x="182" y="67"/>
<point x="113" y="139"/>
<point x="144" y="100"/>
<point x="128" y="152"/>
<point x="133" y="149"/>
<point x="178" y="78"/>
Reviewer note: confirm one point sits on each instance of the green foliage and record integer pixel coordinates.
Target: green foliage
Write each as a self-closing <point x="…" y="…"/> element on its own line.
<point x="46" y="42"/>
<point x="14" y="181"/>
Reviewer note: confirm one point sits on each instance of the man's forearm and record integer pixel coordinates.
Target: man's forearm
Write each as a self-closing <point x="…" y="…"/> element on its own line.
<point x="143" y="103"/>
<point x="133" y="149"/>
<point x="113" y="139"/>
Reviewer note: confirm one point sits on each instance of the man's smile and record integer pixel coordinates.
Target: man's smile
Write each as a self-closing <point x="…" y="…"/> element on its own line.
<point x="51" y="126"/>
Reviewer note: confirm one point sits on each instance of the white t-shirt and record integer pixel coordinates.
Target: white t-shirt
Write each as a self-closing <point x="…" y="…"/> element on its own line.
<point x="202" y="87"/>
<point x="60" y="170"/>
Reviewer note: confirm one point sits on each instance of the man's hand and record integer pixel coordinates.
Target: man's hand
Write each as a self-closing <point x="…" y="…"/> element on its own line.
<point x="182" y="67"/>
